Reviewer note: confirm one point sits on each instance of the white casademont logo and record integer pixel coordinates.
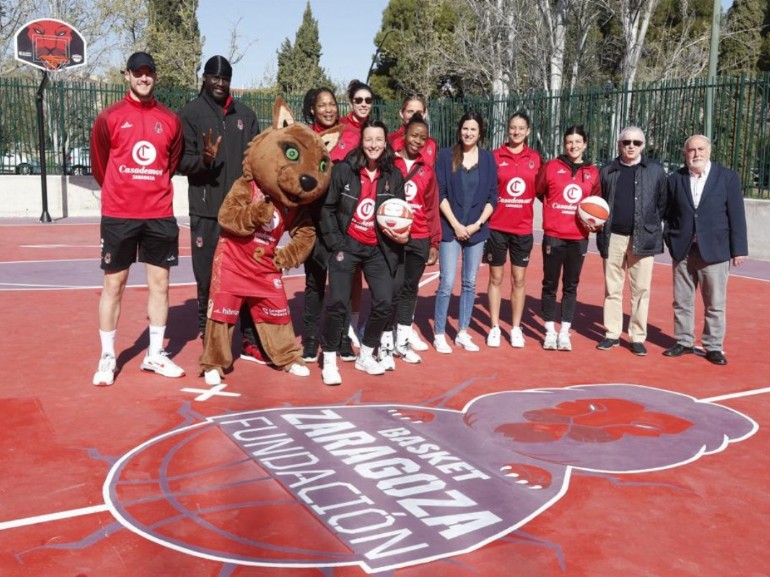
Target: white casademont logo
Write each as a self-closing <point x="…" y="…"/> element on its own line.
<point x="365" y="210"/>
<point x="144" y="153"/>
<point x="572" y="193"/>
<point x="516" y="187"/>
<point x="410" y="191"/>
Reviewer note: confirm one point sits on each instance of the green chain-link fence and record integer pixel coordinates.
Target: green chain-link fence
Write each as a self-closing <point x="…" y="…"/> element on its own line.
<point x="668" y="112"/>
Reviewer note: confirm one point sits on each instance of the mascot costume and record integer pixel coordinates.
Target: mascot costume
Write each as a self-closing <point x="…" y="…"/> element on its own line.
<point x="285" y="169"/>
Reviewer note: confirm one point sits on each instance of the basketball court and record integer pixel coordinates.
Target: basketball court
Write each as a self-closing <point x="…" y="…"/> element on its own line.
<point x="504" y="462"/>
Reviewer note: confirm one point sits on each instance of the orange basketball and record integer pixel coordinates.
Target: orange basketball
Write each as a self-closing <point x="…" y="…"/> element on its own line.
<point x="593" y="210"/>
<point x="395" y="214"/>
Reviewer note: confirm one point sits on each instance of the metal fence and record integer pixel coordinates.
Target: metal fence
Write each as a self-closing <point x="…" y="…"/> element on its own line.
<point x="668" y="112"/>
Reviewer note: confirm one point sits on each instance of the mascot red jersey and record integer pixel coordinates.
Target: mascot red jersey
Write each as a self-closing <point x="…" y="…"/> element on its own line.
<point x="285" y="168"/>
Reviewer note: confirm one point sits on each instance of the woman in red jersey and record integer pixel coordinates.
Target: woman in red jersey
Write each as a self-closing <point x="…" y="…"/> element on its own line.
<point x="561" y="184"/>
<point x="511" y="225"/>
<point x="421" y="192"/>
<point x="361" y="97"/>
<point x="321" y="112"/>
<point x="413" y="104"/>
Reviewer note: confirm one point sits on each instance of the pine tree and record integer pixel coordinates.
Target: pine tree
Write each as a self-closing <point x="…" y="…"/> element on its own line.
<point x="741" y="46"/>
<point x="174" y="40"/>
<point x="299" y="66"/>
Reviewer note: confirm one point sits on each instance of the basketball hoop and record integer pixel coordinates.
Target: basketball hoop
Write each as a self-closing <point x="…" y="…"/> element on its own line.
<point x="50" y="45"/>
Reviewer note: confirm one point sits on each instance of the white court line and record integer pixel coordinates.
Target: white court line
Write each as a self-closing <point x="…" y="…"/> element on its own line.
<point x="53" y="517"/>
<point x="738" y="395"/>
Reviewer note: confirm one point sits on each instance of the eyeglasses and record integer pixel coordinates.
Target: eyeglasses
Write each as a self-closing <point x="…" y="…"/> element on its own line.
<point x="630" y="142"/>
<point x="360" y="99"/>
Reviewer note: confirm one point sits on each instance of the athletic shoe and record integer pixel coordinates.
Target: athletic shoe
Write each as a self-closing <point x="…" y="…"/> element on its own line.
<point x="105" y="373"/>
<point x="162" y="365"/>
<point x="564" y="344"/>
<point x="347" y="353"/>
<point x="440" y="344"/>
<point x="369" y="364"/>
<point x="330" y="374"/>
<point x="407" y="355"/>
<point x="298" y="370"/>
<point x="252" y="353"/>
<point x="550" y="342"/>
<point x="517" y="338"/>
<point x="212" y="377"/>
<point x="416" y="343"/>
<point x="356" y="342"/>
<point x="310" y="351"/>
<point x="464" y="341"/>
<point x="638" y="349"/>
<point x="607" y="344"/>
<point x="493" y="338"/>
<point x="385" y="358"/>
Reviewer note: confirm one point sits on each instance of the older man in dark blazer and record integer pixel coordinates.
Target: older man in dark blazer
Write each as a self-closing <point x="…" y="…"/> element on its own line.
<point x="705" y="233"/>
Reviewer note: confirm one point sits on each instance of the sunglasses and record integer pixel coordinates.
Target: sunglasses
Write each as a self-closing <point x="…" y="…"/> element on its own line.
<point x="360" y="99"/>
<point x="630" y="142"/>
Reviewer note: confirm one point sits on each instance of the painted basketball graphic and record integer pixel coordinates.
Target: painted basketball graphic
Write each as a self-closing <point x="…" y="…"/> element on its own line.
<point x="390" y="486"/>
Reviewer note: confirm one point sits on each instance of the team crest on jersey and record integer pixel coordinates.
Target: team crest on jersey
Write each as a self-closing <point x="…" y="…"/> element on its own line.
<point x="572" y="193"/>
<point x="277" y="283"/>
<point x="531" y="165"/>
<point x="158" y="128"/>
<point x="516" y="187"/>
<point x="275" y="221"/>
<point x="410" y="191"/>
<point x="341" y="145"/>
<point x="199" y="242"/>
<point x="107" y="258"/>
<point x="365" y="210"/>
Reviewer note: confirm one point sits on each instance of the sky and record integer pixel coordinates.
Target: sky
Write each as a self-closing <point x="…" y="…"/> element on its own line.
<point x="346" y="30"/>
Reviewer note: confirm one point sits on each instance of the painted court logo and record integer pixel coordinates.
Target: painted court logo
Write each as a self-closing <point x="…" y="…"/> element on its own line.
<point x="390" y="486"/>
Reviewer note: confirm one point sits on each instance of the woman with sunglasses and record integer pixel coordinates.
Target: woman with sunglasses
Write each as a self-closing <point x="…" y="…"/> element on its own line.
<point x="361" y="97"/>
<point x="320" y="110"/>
<point x="561" y="184"/>
<point x="511" y="225"/>
<point x="359" y="185"/>
<point x="467" y="183"/>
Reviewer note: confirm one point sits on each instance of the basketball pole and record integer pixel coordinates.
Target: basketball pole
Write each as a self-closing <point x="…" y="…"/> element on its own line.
<point x="39" y="102"/>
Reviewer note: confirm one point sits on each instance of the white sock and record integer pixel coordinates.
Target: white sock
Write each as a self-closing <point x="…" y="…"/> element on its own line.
<point x="565" y="327"/>
<point x="330" y="359"/>
<point x="108" y="342"/>
<point x="403" y="332"/>
<point x="365" y="351"/>
<point x="516" y="329"/>
<point x="550" y="327"/>
<point x="157" y="334"/>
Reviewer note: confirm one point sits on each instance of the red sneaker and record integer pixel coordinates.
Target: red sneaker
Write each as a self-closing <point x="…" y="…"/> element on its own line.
<point x="252" y="353"/>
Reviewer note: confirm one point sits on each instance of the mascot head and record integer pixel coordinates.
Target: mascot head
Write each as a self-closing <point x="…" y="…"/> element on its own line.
<point x="289" y="162"/>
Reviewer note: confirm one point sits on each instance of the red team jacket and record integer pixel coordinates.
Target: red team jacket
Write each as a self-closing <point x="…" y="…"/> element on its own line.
<point x="396" y="139"/>
<point x="561" y="192"/>
<point x="516" y="174"/>
<point x="348" y="141"/>
<point x="135" y="150"/>
<point x="421" y="192"/>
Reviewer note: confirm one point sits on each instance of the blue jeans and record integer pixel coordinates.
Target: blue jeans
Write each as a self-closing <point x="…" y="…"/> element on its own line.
<point x="448" y="254"/>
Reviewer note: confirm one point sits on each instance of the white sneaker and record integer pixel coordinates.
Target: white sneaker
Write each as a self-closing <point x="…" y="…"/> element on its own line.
<point x="564" y="343"/>
<point x="407" y="355"/>
<point x="385" y="358"/>
<point x="353" y="336"/>
<point x="517" y="338"/>
<point x="369" y="365"/>
<point x="440" y="344"/>
<point x="105" y="372"/>
<point x="212" y="377"/>
<point x="298" y="370"/>
<point x="329" y="373"/>
<point x="416" y="343"/>
<point x="550" y="342"/>
<point x="162" y="365"/>
<point x="464" y="341"/>
<point x="493" y="338"/>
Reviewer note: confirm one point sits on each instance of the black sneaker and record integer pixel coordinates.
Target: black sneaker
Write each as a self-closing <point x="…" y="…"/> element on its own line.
<point x="310" y="351"/>
<point x="346" y="350"/>
<point x="638" y="349"/>
<point x="607" y="344"/>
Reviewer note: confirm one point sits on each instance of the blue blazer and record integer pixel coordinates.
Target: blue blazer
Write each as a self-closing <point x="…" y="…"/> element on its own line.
<point x="719" y="221"/>
<point x="450" y="188"/>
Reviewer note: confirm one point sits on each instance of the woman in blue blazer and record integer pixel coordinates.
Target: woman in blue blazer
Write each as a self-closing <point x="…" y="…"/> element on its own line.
<point x="467" y="182"/>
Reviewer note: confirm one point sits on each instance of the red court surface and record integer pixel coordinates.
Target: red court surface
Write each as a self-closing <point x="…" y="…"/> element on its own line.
<point x="502" y="462"/>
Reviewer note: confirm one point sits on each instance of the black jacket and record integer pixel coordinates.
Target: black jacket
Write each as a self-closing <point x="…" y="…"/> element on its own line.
<point x="649" y="206"/>
<point x="208" y="186"/>
<point x="342" y="200"/>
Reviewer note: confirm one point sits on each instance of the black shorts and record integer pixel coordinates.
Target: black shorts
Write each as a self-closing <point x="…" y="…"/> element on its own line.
<point x="154" y="241"/>
<point x="501" y="243"/>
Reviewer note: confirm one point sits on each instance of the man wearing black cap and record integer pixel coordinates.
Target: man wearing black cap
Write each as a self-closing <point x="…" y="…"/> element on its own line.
<point x="136" y="145"/>
<point x="217" y="130"/>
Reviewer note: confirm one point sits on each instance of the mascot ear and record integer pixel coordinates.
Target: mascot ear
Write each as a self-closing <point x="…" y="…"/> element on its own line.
<point x="282" y="116"/>
<point x="331" y="136"/>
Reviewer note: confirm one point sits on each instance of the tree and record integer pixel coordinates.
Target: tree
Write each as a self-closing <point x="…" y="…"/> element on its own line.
<point x="299" y="66"/>
<point x="741" y="44"/>
<point x="174" y="40"/>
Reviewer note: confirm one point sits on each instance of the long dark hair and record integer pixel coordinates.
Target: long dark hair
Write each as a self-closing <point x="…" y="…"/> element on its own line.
<point x="310" y="99"/>
<point x="356" y="85"/>
<point x="357" y="159"/>
<point x="457" y="149"/>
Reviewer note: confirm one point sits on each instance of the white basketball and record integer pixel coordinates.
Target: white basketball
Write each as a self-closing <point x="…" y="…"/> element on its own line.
<point x="395" y="214"/>
<point x="594" y="210"/>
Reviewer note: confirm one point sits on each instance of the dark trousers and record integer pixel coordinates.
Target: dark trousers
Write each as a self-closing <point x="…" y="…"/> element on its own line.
<point x="204" y="235"/>
<point x="561" y="258"/>
<point x="380" y="281"/>
<point x="407" y="280"/>
<point x="315" y="290"/>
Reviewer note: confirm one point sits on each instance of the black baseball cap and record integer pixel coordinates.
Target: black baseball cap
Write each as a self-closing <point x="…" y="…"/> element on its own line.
<point x="139" y="59"/>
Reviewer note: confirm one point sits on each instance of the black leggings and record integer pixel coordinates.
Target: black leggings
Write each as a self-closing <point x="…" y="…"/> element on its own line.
<point x="561" y="258"/>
